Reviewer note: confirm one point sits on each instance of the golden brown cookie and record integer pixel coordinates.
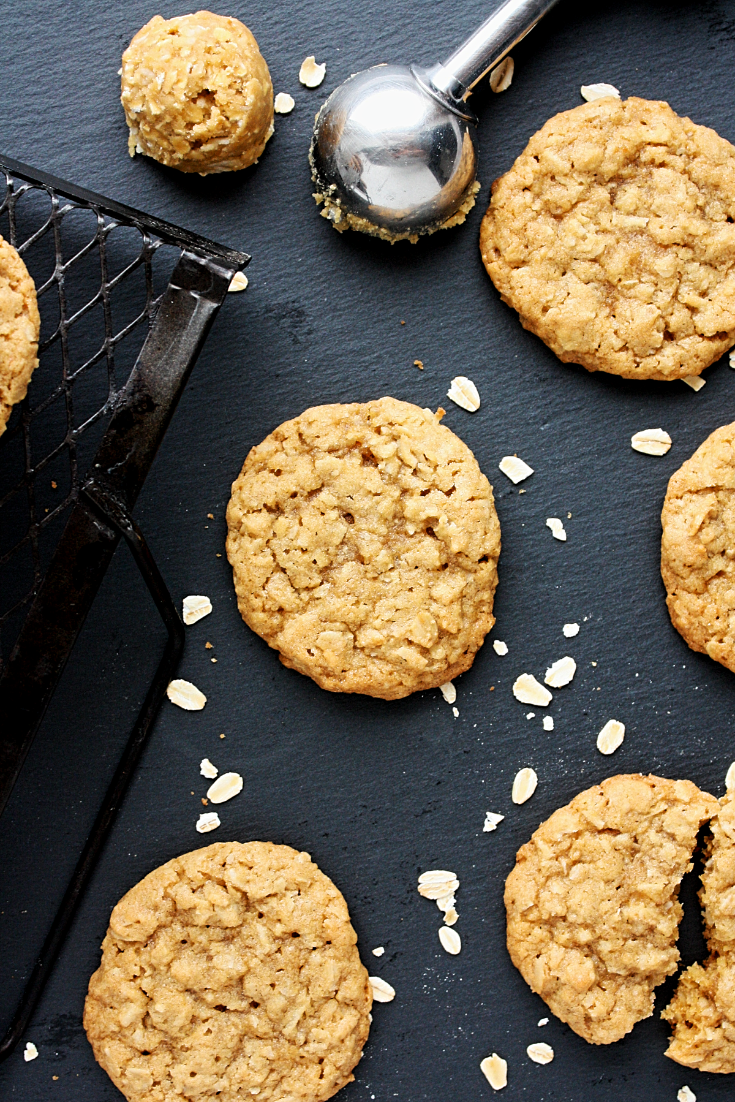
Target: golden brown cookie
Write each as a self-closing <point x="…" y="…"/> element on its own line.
<point x="197" y="93"/>
<point x="592" y="904"/>
<point x="612" y="236"/>
<point x="702" y="1011"/>
<point x="19" y="327"/>
<point x="230" y="972"/>
<point x="697" y="567"/>
<point x="364" y="545"/>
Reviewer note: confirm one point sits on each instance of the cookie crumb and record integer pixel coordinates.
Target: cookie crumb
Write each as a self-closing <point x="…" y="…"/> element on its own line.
<point x="548" y="723"/>
<point x="419" y="364"/>
<point x="570" y="630"/>
<point x="449" y="692"/>
<point x="514" y="468"/>
<point x="491" y="820"/>
<point x="611" y="737"/>
<point x="455" y="713"/>
<point x="495" y="1070"/>
<point x="382" y="991"/>
<point x="696" y="382"/>
<point x="186" y="695"/>
<point x="211" y="516"/>
<point x="224" y="788"/>
<point x="524" y="785"/>
<point x="284" y="104"/>
<point x="530" y="691"/>
<point x="207" y="769"/>
<point x="310" y="73"/>
<point x="500" y="647"/>
<point x="195" y="608"/>
<point x="30" y="1052"/>
<point x="651" y="441"/>
<point x="53" y="485"/>
<point x="530" y="715"/>
<point x="208" y="820"/>
<point x="378" y="952"/>
<point x="540" y="1053"/>
<point x="450" y="940"/>
<point x="591" y="92"/>
<point x="685" y="1094"/>
<point x="560" y="673"/>
<point x="238" y="282"/>
<point x="557" y="528"/>
<point x="501" y="77"/>
<point x="463" y="392"/>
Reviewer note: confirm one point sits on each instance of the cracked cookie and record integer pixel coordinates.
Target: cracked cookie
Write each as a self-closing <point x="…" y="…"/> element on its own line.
<point x="592" y="907"/>
<point x="19" y="328"/>
<point x="231" y="971"/>
<point x="698" y="521"/>
<point x="613" y="237"/>
<point x="364" y="544"/>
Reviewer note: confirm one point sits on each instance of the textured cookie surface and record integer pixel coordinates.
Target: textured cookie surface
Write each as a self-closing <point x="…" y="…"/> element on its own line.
<point x="702" y="1012"/>
<point x="592" y="902"/>
<point x="612" y="236"/>
<point x="231" y="972"/>
<point x="364" y="544"/>
<point x="19" y="327"/>
<point x="697" y="566"/>
<point x="197" y="93"/>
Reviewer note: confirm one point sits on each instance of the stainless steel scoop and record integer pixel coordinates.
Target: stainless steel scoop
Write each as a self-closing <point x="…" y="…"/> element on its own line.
<point x="394" y="148"/>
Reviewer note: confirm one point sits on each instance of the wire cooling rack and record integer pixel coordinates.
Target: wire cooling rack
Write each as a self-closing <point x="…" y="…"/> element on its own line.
<point x="126" y="302"/>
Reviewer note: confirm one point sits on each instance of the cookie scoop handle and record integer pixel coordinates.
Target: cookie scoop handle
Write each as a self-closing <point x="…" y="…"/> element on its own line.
<point x="487" y="46"/>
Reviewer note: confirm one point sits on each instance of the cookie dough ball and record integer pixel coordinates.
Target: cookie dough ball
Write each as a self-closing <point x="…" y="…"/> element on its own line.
<point x="19" y="327"/>
<point x="592" y="903"/>
<point x="697" y="565"/>
<point x="364" y="545"/>
<point x="197" y="93"/>
<point x="613" y="236"/>
<point x="230" y="972"/>
<point x="702" y="1012"/>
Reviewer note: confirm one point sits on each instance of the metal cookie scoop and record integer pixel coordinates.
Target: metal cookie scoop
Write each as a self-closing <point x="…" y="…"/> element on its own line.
<point x="394" y="151"/>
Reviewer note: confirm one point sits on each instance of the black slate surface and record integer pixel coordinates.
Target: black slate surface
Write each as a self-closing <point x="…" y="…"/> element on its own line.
<point x="375" y="791"/>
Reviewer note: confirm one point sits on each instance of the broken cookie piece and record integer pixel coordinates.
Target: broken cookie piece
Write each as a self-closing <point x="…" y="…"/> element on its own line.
<point x="592" y="907"/>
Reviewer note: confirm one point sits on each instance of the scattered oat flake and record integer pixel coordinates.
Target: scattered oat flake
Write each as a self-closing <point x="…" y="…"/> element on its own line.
<point x="449" y="692"/>
<point x="651" y="441"/>
<point x="238" y="282"/>
<point x="450" y="939"/>
<point x="446" y="902"/>
<point x="450" y="917"/>
<point x="548" y="723"/>
<point x="543" y="1021"/>
<point x="611" y="736"/>
<point x="196" y="608"/>
<point x="207" y="769"/>
<point x="435" y="875"/>
<point x="501" y="77"/>
<point x="495" y="1070"/>
<point x="283" y="104"/>
<point x="591" y="92"/>
<point x="310" y="73"/>
<point x="524" y="785"/>
<point x="209" y="820"/>
<point x="186" y="695"/>
<point x="540" y="1053"/>
<point x="224" y="788"/>
<point x="686" y="1094"/>
<point x="379" y="951"/>
<point x="455" y="713"/>
<point x="696" y="382"/>
<point x="530" y="715"/>
<point x="463" y="392"/>
<point x="730" y="777"/>
<point x="570" y="630"/>
<point x="557" y="528"/>
<point x="30" y="1052"/>
<point x="500" y="647"/>
<point x="514" y="468"/>
<point x="560" y="673"/>
<point x="438" y="890"/>
<point x="530" y="691"/>
<point x="491" y="820"/>
<point x="731" y="357"/>
<point x="382" y="991"/>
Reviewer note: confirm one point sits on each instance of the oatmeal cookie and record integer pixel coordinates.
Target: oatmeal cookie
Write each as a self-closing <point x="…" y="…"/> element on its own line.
<point x="697" y="566"/>
<point x="702" y="1011"/>
<point x="197" y="93"/>
<point x="231" y="971"/>
<point x="592" y="903"/>
<point x="364" y="545"/>
<point x="19" y="327"/>
<point x="612" y="236"/>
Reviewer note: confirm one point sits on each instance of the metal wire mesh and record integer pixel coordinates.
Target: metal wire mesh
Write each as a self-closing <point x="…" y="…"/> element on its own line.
<point x="98" y="281"/>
